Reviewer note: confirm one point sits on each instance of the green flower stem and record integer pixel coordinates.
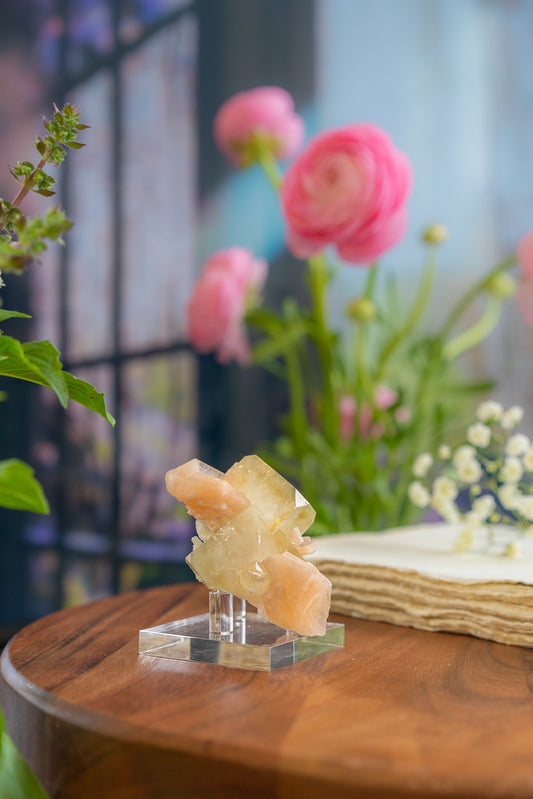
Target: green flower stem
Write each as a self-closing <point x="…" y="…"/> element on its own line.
<point x="418" y="441"/>
<point x="415" y="314"/>
<point x="297" y="414"/>
<point x="319" y="279"/>
<point x="28" y="183"/>
<point x="270" y="166"/>
<point x="477" y="333"/>
<point x="472" y="293"/>
<point x="362" y="375"/>
<point x="26" y="186"/>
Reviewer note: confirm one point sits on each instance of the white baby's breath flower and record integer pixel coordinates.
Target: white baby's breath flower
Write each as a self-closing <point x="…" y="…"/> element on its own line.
<point x="527" y="460"/>
<point x="446" y="507"/>
<point x="517" y="444"/>
<point x="464" y="541"/>
<point x="422" y="464"/>
<point x="513" y="550"/>
<point x="473" y="520"/>
<point x="418" y="495"/>
<point x="509" y="496"/>
<point x="525" y="507"/>
<point x="483" y="506"/>
<point x="469" y="471"/>
<point x="444" y="452"/>
<point x="489" y="411"/>
<point x="463" y="454"/>
<point x="445" y="488"/>
<point x="479" y="435"/>
<point x="511" y="471"/>
<point x="511" y="417"/>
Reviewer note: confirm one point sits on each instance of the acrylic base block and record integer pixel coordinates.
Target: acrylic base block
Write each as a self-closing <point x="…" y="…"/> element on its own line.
<point x="254" y="643"/>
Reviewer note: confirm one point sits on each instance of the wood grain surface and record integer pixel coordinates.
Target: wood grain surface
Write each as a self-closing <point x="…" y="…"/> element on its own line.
<point x="396" y="713"/>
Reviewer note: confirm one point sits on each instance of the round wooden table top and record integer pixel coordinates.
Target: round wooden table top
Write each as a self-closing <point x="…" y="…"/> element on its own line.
<point x="396" y="713"/>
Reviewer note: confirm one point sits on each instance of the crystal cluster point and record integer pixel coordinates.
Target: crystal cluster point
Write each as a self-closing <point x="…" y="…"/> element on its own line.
<point x="250" y="523"/>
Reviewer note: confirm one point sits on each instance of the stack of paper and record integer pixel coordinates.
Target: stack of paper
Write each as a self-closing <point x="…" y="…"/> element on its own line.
<point x="411" y="576"/>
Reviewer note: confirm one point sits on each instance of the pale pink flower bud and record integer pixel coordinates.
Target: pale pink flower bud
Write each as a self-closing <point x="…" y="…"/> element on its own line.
<point x="348" y="188"/>
<point x="230" y="283"/>
<point x="385" y="397"/>
<point x="266" y="113"/>
<point x="402" y="415"/>
<point x="347" y="410"/>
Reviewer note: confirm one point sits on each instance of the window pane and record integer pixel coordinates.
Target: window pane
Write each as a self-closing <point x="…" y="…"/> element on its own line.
<point x="45" y="295"/>
<point x="41" y="592"/>
<point x="86" y="579"/>
<point x="91" y="241"/>
<point x="159" y="186"/>
<point x="157" y="423"/>
<point x="89" y="463"/>
<point x="139" y="15"/>
<point x="135" y="574"/>
<point x="90" y="33"/>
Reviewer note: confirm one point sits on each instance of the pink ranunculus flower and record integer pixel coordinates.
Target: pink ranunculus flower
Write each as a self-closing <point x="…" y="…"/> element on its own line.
<point x="267" y="112"/>
<point x="524" y="294"/>
<point x="230" y="283"/>
<point x="348" y="188"/>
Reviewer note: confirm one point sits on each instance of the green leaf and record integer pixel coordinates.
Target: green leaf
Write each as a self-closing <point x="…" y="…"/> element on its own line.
<point x="4" y="314"/>
<point x="35" y="361"/>
<point x="16" y="779"/>
<point x="271" y="348"/>
<point x="265" y="320"/>
<point x="86" y="395"/>
<point x="38" y="362"/>
<point x="20" y="490"/>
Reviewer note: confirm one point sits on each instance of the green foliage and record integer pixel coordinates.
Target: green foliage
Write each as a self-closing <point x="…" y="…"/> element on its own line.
<point x="19" y="489"/>
<point x="22" y="239"/>
<point x="349" y="451"/>
<point x="38" y="362"/>
<point x="32" y="235"/>
<point x="16" y="779"/>
<point x="87" y="395"/>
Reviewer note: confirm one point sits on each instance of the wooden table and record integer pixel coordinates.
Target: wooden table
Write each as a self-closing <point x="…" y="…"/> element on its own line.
<point x="396" y="713"/>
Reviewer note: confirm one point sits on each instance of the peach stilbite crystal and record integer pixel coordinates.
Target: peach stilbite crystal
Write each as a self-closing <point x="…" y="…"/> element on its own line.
<point x="297" y="596"/>
<point x="249" y="540"/>
<point x="206" y="495"/>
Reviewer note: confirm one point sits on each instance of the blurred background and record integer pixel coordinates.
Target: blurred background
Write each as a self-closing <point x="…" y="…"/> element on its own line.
<point x="452" y="82"/>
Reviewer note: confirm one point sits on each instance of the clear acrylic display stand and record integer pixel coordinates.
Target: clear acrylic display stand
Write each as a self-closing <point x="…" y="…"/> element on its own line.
<point x="229" y="636"/>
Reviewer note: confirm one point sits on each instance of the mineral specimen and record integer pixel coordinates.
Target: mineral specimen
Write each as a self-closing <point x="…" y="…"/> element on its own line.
<point x="249" y="524"/>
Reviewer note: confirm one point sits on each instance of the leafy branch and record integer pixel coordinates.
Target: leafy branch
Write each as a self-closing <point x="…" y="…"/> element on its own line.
<point x="23" y="239"/>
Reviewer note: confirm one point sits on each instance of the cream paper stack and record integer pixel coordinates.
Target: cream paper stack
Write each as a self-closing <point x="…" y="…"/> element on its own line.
<point x="412" y="577"/>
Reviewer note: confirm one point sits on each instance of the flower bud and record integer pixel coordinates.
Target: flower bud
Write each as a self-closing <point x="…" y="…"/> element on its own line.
<point x="501" y="285"/>
<point x="361" y="310"/>
<point x="436" y="234"/>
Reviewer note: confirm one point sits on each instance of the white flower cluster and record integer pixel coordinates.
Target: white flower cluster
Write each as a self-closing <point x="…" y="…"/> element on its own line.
<point x="487" y="480"/>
